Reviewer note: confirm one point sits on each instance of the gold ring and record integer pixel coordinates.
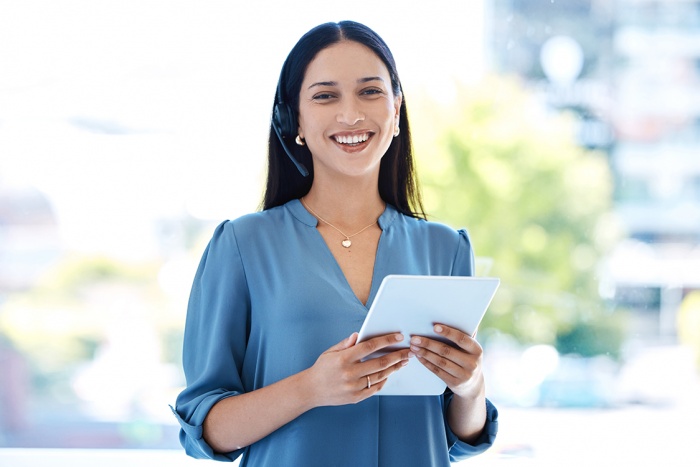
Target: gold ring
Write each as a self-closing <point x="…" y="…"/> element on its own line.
<point x="369" y="383"/>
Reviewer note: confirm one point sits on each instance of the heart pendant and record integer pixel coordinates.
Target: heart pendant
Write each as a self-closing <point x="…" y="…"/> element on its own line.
<point x="346" y="243"/>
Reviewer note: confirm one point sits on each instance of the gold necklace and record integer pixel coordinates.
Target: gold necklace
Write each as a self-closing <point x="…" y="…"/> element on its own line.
<point x="346" y="243"/>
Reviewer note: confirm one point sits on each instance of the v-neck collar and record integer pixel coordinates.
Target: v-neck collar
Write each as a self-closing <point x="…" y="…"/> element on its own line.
<point x="385" y="221"/>
<point x="302" y="215"/>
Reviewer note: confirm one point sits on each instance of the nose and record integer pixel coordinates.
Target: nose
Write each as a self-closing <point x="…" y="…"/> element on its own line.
<point x="350" y="112"/>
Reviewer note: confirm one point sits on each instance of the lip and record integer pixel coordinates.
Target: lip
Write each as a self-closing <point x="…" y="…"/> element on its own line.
<point x="363" y="137"/>
<point x="351" y="148"/>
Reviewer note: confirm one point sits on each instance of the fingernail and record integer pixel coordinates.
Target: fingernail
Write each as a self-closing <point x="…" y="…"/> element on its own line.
<point x="438" y="328"/>
<point x="411" y="355"/>
<point x="398" y="337"/>
<point x="415" y="340"/>
<point x="415" y="349"/>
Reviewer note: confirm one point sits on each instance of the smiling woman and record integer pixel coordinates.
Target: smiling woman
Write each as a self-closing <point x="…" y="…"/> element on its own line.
<point x="274" y="371"/>
<point x="355" y="111"/>
<point x="135" y="126"/>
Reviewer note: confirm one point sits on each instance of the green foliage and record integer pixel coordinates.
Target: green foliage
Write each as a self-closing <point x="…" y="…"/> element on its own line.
<point x="74" y="273"/>
<point x="588" y="339"/>
<point x="535" y="203"/>
<point x="68" y="316"/>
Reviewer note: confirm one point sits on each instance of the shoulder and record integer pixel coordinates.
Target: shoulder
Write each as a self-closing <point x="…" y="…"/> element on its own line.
<point x="263" y="231"/>
<point x="449" y="250"/>
<point x="252" y="223"/>
<point x="432" y="230"/>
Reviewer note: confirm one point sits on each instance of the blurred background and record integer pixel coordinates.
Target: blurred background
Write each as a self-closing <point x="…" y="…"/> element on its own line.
<point x="565" y="135"/>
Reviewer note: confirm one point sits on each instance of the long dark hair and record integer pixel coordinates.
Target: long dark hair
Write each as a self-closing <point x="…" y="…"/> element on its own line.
<point x="398" y="184"/>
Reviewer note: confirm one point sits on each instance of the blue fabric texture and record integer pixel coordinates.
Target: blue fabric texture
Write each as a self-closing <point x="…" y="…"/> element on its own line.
<point x="268" y="298"/>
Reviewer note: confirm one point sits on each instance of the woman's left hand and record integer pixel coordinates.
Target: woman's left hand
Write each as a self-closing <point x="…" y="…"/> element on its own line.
<point x="459" y="367"/>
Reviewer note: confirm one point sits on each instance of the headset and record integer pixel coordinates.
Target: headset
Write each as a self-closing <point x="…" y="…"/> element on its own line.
<point x="284" y="123"/>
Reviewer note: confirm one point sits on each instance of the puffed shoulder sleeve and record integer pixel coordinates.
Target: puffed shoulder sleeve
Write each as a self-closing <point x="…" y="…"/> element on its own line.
<point x="216" y="331"/>
<point x="464" y="258"/>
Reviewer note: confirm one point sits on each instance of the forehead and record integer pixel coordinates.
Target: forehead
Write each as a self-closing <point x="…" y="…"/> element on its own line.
<point x="345" y="61"/>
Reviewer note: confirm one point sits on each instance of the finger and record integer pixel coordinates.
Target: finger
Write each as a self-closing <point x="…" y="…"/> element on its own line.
<point x="462" y="339"/>
<point x="440" y="358"/>
<point x="345" y="343"/>
<point x="383" y="375"/>
<point x="386" y="363"/>
<point x="368" y="347"/>
<point x="375" y="381"/>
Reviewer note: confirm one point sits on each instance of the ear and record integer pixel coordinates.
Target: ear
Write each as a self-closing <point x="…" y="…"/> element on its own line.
<point x="397" y="106"/>
<point x="300" y="131"/>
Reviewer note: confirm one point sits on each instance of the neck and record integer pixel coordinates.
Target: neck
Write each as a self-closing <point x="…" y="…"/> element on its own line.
<point x="346" y="207"/>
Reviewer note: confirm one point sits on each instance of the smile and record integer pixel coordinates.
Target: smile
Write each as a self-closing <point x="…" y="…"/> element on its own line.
<point x="352" y="139"/>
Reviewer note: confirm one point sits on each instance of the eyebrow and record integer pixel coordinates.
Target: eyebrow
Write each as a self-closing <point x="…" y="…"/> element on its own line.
<point x="335" y="83"/>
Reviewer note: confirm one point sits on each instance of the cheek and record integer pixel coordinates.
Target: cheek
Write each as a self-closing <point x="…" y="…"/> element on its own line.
<point x="310" y="123"/>
<point x="312" y="132"/>
<point x="305" y="119"/>
<point x="392" y="115"/>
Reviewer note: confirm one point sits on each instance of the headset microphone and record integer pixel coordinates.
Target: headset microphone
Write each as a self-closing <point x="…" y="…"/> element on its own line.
<point x="284" y="122"/>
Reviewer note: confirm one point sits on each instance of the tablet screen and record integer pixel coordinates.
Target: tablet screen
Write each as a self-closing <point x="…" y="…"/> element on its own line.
<point x="412" y="305"/>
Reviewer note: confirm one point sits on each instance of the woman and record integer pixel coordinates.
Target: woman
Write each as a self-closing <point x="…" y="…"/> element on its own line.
<point x="273" y="370"/>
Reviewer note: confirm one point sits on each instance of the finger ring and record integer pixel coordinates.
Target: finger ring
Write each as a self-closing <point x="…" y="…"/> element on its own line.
<point x="369" y="383"/>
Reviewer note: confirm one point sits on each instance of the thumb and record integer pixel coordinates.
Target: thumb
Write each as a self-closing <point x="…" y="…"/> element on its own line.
<point x="345" y="343"/>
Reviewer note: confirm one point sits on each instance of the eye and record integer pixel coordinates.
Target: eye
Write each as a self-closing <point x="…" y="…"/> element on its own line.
<point x="323" y="96"/>
<point x="371" y="92"/>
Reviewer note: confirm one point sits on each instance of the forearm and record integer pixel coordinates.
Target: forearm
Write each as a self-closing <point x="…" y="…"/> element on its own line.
<point x="337" y="378"/>
<point x="466" y="416"/>
<point x="239" y="421"/>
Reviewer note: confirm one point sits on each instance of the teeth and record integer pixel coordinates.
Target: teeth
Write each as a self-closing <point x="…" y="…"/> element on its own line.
<point x="352" y="139"/>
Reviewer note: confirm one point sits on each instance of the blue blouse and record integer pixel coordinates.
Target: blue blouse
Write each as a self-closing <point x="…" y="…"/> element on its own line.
<point x="268" y="298"/>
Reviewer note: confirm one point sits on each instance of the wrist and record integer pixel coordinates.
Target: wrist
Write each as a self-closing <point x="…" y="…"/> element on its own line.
<point x="472" y="391"/>
<point x="305" y="391"/>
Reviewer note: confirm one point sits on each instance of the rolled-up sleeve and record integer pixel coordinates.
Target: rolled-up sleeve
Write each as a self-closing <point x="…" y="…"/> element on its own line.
<point x="459" y="450"/>
<point x="216" y="330"/>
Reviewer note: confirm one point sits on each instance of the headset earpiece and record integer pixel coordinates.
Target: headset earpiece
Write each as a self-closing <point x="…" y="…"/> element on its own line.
<point x="283" y="116"/>
<point x="284" y="123"/>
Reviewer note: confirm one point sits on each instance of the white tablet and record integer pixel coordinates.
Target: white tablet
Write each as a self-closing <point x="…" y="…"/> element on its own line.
<point x="412" y="305"/>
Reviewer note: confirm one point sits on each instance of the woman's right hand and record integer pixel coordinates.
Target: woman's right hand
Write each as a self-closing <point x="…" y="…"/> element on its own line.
<point x="339" y="375"/>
